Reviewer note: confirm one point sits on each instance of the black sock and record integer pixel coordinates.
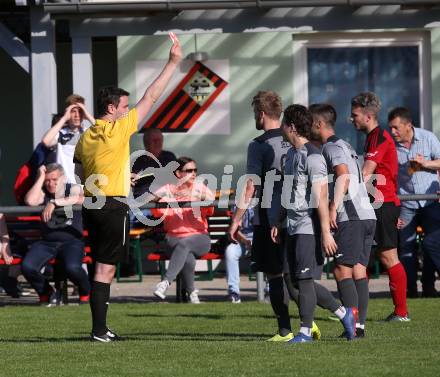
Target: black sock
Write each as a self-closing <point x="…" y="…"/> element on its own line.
<point x="307" y="302"/>
<point x="291" y="289"/>
<point x="281" y="310"/>
<point x="99" y="297"/>
<point x="348" y="293"/>
<point x="363" y="296"/>
<point x="325" y="299"/>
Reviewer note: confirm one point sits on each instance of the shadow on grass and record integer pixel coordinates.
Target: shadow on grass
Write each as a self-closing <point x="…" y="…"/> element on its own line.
<point x="196" y="315"/>
<point x="163" y="337"/>
<point x="149" y="336"/>
<point x="40" y="339"/>
<point x="201" y="315"/>
<point x="214" y="316"/>
<point x="328" y="318"/>
<point x="211" y="337"/>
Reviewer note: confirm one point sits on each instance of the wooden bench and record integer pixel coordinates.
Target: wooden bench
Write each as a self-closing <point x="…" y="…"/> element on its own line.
<point x="16" y="261"/>
<point x="136" y="236"/>
<point x="218" y="225"/>
<point x="161" y="258"/>
<point x="27" y="229"/>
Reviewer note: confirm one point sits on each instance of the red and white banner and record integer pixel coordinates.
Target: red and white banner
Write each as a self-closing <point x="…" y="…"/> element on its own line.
<point x="190" y="98"/>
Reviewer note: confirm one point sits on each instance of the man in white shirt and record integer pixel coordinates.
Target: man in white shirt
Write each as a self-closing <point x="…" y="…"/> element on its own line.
<point x="66" y="132"/>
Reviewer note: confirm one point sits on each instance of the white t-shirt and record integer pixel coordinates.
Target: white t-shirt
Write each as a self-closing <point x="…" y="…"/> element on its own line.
<point x="67" y="140"/>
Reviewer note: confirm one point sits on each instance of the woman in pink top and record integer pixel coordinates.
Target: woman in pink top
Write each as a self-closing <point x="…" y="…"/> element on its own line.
<point x="186" y="228"/>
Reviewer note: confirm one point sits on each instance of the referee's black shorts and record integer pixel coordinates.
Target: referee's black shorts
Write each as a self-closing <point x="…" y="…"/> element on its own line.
<point x="387" y="235"/>
<point x="109" y="228"/>
<point x="268" y="256"/>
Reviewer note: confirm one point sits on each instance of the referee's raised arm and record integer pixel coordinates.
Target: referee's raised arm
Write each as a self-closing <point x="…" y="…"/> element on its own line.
<point x="155" y="90"/>
<point x="103" y="153"/>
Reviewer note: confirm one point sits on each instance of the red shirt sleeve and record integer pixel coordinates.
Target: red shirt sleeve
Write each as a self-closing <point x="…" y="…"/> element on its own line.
<point x="376" y="151"/>
<point x="207" y="211"/>
<point x="158" y="212"/>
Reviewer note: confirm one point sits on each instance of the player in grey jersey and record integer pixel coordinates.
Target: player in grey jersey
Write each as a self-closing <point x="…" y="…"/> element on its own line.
<point x="351" y="215"/>
<point x="266" y="154"/>
<point x="305" y="204"/>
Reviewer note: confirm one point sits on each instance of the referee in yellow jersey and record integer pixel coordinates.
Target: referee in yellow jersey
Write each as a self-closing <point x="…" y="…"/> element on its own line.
<point x="101" y="159"/>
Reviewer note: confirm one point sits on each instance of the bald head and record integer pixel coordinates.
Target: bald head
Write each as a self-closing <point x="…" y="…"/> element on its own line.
<point x="153" y="141"/>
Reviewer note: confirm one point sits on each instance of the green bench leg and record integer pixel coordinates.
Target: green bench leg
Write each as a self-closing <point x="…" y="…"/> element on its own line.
<point x="208" y="275"/>
<point x="376" y="274"/>
<point x="162" y="269"/>
<point x="251" y="275"/>
<point x="328" y="267"/>
<point x="135" y="245"/>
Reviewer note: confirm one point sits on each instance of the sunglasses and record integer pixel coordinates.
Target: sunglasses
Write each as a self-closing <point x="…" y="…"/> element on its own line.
<point x="189" y="171"/>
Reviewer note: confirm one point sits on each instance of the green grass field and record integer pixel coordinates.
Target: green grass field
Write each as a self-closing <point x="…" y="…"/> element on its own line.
<point x="213" y="339"/>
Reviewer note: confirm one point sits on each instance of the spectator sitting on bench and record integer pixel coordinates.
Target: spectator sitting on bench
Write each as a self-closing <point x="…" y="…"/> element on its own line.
<point x="61" y="235"/>
<point x="7" y="283"/>
<point x="186" y="228"/>
<point x="233" y="253"/>
<point x="5" y="251"/>
<point x="155" y="157"/>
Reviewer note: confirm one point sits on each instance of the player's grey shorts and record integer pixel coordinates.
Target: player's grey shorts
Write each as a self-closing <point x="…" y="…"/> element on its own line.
<point x="304" y="256"/>
<point x="354" y="239"/>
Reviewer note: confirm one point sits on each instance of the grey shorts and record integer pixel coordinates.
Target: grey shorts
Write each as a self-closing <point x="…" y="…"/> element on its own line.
<point x="304" y="256"/>
<point x="354" y="239"/>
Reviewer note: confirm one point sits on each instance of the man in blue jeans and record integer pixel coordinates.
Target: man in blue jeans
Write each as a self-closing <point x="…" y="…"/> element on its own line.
<point x="62" y="235"/>
<point x="233" y="253"/>
<point x="418" y="153"/>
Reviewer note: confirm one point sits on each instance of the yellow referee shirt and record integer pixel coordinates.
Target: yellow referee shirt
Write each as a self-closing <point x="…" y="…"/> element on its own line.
<point x="104" y="153"/>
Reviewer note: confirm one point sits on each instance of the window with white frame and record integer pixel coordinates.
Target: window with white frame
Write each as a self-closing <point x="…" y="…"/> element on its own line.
<point x="332" y="68"/>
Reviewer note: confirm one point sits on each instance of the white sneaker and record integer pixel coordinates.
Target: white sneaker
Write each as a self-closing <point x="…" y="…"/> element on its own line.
<point x="161" y="288"/>
<point x="235" y="298"/>
<point x="54" y="299"/>
<point x="194" y="297"/>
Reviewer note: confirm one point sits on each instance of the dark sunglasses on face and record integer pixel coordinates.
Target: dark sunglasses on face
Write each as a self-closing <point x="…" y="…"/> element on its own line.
<point x="189" y="171"/>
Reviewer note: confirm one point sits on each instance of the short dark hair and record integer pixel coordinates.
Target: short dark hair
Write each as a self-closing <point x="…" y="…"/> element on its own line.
<point x="368" y="101"/>
<point x="109" y="95"/>
<point x="269" y="102"/>
<point x="400" y="112"/>
<point x="325" y="111"/>
<point x="182" y="161"/>
<point x="300" y="117"/>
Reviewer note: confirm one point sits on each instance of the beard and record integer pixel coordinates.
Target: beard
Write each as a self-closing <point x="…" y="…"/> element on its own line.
<point x="258" y="125"/>
<point x="314" y="136"/>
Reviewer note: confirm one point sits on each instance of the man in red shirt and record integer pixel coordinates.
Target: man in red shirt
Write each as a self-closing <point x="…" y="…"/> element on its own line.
<point x="380" y="159"/>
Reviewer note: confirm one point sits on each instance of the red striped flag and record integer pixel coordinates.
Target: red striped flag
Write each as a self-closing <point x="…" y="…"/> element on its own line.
<point x="188" y="101"/>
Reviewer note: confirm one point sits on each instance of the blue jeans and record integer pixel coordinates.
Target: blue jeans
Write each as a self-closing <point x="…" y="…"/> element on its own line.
<point x="70" y="254"/>
<point x="429" y="218"/>
<point x="233" y="253"/>
<point x="134" y="221"/>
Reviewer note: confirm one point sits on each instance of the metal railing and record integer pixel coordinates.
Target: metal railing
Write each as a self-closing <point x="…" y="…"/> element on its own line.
<point x="225" y="204"/>
<point x="221" y="203"/>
